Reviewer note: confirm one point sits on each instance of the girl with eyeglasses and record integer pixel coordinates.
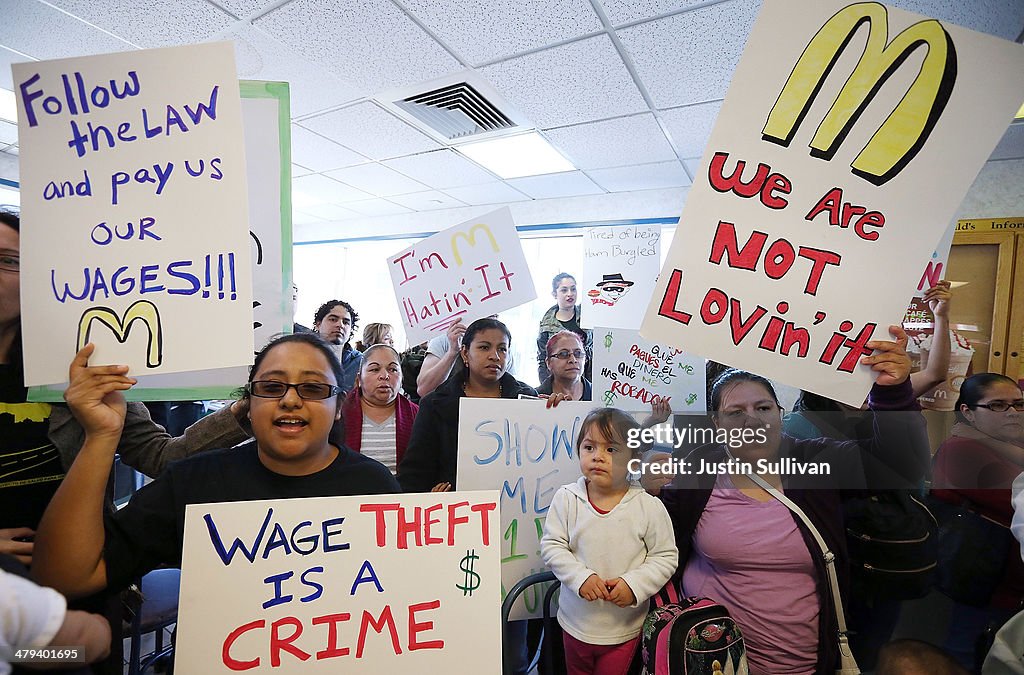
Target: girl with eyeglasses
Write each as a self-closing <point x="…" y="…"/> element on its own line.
<point x="977" y="465"/>
<point x="294" y="400"/>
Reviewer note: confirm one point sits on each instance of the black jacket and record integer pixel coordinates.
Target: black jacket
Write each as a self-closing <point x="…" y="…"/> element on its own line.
<point x="432" y="454"/>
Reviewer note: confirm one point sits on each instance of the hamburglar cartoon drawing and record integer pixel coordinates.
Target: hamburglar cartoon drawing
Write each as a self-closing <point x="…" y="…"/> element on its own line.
<point x="609" y="289"/>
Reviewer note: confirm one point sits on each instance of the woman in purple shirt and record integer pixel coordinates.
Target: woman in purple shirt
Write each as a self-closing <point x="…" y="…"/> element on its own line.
<point x="743" y="548"/>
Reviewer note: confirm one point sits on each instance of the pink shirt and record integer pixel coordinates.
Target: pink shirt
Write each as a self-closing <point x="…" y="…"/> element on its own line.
<point x="750" y="557"/>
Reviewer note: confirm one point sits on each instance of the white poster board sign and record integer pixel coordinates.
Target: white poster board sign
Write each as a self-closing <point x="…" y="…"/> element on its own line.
<point x="527" y="452"/>
<point x="620" y="267"/>
<point x="789" y="258"/>
<point x="266" y="118"/>
<point x="134" y="211"/>
<point x="330" y="584"/>
<point x="935" y="268"/>
<point x="469" y="271"/>
<point x="631" y="372"/>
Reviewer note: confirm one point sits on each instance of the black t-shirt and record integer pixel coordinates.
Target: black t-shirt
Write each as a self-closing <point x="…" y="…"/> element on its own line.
<point x="572" y="324"/>
<point x="149" y="531"/>
<point x="30" y="466"/>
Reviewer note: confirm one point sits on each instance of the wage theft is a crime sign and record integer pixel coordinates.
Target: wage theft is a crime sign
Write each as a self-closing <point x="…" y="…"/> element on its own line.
<point x="376" y="584"/>
<point x="135" y="232"/>
<point x="849" y="136"/>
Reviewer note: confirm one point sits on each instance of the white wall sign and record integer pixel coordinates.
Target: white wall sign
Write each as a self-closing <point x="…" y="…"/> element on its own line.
<point x="527" y="452"/>
<point x="469" y="271"/>
<point x="620" y="266"/>
<point x="631" y="373"/>
<point x="135" y="228"/>
<point x="317" y="585"/>
<point x="823" y="193"/>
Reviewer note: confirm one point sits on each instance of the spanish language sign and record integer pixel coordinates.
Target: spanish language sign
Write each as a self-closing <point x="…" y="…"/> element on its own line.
<point x="135" y="231"/>
<point x="631" y="373"/>
<point x="322" y="584"/>
<point x="468" y="271"/>
<point x="620" y="266"/>
<point x="527" y="452"/>
<point x="850" y="135"/>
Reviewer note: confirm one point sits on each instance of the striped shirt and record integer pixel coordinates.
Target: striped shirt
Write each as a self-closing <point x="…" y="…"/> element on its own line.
<point x="378" y="441"/>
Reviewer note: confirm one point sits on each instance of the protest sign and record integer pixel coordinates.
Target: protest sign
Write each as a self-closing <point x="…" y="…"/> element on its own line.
<point x="620" y="264"/>
<point x="266" y="118"/>
<point x="315" y="584"/>
<point x="134" y="207"/>
<point x="789" y="258"/>
<point x="935" y="268"/>
<point x="631" y="372"/>
<point x="469" y="271"/>
<point x="527" y="452"/>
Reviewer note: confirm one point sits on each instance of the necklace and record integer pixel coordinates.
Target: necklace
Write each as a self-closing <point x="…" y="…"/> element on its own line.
<point x="501" y="392"/>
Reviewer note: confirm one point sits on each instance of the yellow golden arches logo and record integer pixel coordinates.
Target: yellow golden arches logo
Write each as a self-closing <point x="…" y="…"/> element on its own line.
<point x="470" y="236"/>
<point x="141" y="310"/>
<point x="905" y="131"/>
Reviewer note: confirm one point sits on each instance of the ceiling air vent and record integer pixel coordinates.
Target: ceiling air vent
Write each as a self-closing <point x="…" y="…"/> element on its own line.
<point x="456" y="111"/>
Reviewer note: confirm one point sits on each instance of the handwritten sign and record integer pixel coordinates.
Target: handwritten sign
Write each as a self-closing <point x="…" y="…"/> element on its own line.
<point x="135" y="225"/>
<point x="329" y="583"/>
<point x="823" y="192"/>
<point x="935" y="269"/>
<point x="631" y="373"/>
<point x="468" y="271"/>
<point x="620" y="265"/>
<point x="526" y="452"/>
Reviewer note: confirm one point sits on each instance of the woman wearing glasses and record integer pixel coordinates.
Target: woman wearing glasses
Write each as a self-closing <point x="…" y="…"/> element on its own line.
<point x="976" y="466"/>
<point x="294" y="400"/>
<point x="566" y="361"/>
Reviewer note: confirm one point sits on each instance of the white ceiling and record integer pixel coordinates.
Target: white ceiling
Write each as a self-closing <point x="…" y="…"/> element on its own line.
<point x="628" y="90"/>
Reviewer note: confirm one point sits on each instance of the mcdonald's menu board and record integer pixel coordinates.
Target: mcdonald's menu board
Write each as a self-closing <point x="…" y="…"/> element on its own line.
<point x="849" y="136"/>
<point x="135" y="228"/>
<point x="380" y="584"/>
<point x="466" y="272"/>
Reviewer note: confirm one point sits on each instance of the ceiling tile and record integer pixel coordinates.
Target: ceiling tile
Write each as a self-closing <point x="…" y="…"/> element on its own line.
<point x="329" y="211"/>
<point x="510" y="26"/>
<point x="487" y="193"/>
<point x="8" y="133"/>
<point x="578" y="82"/>
<point x="323" y="190"/>
<point x="158" y="24"/>
<point x="260" y="57"/>
<point x="692" y="165"/>
<point x="440" y="169"/>
<point x="690" y="57"/>
<point x="377" y="207"/>
<point x="691" y="127"/>
<point x="427" y="201"/>
<point x="371" y="130"/>
<point x="643" y="177"/>
<point x="319" y="153"/>
<point x="303" y="218"/>
<point x="7" y="57"/>
<point x="371" y="43"/>
<point x="625" y="11"/>
<point x="45" y="32"/>
<point x="1003" y="18"/>
<point x="300" y="171"/>
<point x="244" y="8"/>
<point x="566" y="184"/>
<point x="377" y="179"/>
<point x="12" y="150"/>
<point x="627" y="140"/>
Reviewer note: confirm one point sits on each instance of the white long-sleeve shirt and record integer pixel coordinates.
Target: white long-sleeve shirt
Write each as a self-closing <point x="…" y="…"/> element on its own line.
<point x="30" y="616"/>
<point x="633" y="541"/>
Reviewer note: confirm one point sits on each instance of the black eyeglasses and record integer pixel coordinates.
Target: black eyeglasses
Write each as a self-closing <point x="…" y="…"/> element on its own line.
<point x="308" y="391"/>
<point x="1001" y="406"/>
<point x="565" y="353"/>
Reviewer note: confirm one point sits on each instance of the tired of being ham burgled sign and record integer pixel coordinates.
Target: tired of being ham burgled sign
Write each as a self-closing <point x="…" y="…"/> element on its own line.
<point x="135" y="228"/>
<point x="375" y="584"/>
<point x="849" y="136"/>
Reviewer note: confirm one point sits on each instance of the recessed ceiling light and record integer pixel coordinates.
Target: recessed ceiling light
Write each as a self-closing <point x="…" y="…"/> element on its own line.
<point x="8" y="107"/>
<point x="517" y="156"/>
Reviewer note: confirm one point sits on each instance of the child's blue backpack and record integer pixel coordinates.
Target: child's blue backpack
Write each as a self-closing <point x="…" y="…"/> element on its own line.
<point x="691" y="636"/>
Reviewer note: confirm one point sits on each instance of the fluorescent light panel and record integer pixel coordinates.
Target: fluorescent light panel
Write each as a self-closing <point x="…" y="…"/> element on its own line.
<point x="517" y="156"/>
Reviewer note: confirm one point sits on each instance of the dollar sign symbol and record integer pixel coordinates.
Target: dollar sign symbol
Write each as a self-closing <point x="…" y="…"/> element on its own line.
<point x="609" y="397"/>
<point x="472" y="581"/>
<point x="608" y="341"/>
<point x="690" y="399"/>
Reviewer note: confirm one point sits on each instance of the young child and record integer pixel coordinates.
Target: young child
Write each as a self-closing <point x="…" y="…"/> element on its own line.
<point x="611" y="546"/>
